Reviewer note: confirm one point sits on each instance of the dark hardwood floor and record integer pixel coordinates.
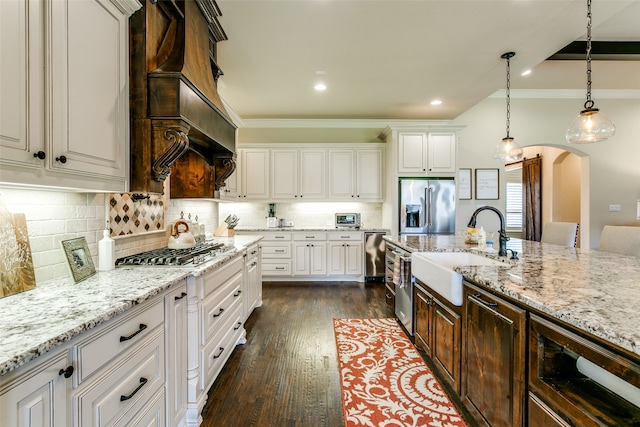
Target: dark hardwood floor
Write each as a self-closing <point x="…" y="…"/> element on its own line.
<point x="287" y="372"/>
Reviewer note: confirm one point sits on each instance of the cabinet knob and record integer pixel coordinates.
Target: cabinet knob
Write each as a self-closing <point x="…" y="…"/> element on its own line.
<point x="66" y="372"/>
<point x="61" y="159"/>
<point x="40" y="155"/>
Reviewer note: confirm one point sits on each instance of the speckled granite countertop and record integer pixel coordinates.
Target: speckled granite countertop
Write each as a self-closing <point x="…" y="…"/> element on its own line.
<point x="327" y="228"/>
<point x="37" y="321"/>
<point x="597" y="292"/>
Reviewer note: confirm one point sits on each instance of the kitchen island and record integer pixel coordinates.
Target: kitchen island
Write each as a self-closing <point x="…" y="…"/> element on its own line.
<point x="514" y="351"/>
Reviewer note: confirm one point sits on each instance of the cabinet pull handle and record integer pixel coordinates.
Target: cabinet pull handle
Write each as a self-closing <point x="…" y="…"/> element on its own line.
<point x="61" y="159"/>
<point x="488" y="304"/>
<point x="253" y="252"/>
<point x="254" y="263"/>
<point x="238" y="292"/>
<point x="143" y="381"/>
<point x="182" y="295"/>
<point x="40" y="155"/>
<point x="220" y="350"/>
<point x="237" y="326"/>
<point x="279" y="268"/>
<point x="279" y="237"/>
<point x="140" y="329"/>
<point x="279" y="251"/>
<point x="66" y="372"/>
<point x="220" y="311"/>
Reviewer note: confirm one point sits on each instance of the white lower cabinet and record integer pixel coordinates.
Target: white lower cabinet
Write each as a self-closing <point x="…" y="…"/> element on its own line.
<point x="175" y="306"/>
<point x="310" y="254"/>
<point x="36" y="395"/>
<point x="215" y="326"/>
<point x="346" y="253"/>
<point x="252" y="280"/>
<point x="276" y="254"/>
<point x="120" y="367"/>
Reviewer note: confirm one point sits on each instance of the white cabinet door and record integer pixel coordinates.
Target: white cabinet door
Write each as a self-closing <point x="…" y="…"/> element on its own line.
<point x="336" y="258"/>
<point x="301" y="260"/>
<point x="255" y="173"/>
<point x="22" y="83"/>
<point x="341" y="175"/>
<point x="176" y="333"/>
<point x="89" y="89"/>
<point x="369" y="172"/>
<point x="312" y="174"/>
<point x="441" y="152"/>
<point x="353" y="259"/>
<point x="284" y="174"/>
<point x="411" y="152"/>
<point x="318" y="259"/>
<point x="38" y="398"/>
<point x="253" y="286"/>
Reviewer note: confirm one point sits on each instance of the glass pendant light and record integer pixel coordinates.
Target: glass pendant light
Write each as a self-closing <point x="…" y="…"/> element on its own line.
<point x="591" y="125"/>
<point x="507" y="150"/>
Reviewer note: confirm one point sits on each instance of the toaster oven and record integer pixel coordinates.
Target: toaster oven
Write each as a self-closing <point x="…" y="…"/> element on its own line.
<point x="348" y="220"/>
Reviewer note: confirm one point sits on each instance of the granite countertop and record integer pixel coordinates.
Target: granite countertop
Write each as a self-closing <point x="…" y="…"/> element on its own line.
<point x="37" y="321"/>
<point x="326" y="228"/>
<point x="597" y="292"/>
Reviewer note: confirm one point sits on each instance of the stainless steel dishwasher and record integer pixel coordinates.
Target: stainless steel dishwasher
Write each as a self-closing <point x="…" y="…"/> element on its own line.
<point x="403" y="294"/>
<point x="374" y="252"/>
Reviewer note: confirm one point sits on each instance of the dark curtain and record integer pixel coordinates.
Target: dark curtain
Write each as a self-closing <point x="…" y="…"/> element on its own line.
<point x="532" y="198"/>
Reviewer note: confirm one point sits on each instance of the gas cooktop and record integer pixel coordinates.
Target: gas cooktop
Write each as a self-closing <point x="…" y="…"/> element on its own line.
<point x="165" y="256"/>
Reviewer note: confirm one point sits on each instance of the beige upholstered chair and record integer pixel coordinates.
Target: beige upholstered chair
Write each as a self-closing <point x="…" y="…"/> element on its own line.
<point x="620" y="239"/>
<point x="560" y="233"/>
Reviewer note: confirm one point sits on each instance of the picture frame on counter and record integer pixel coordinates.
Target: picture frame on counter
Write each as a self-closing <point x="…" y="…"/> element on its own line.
<point x="78" y="258"/>
<point x="487" y="184"/>
<point x="464" y="184"/>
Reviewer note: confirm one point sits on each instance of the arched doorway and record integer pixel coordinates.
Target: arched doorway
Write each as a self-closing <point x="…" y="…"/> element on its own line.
<point x="565" y="186"/>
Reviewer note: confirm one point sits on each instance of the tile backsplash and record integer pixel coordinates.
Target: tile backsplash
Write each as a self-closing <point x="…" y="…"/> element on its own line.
<point x="130" y="216"/>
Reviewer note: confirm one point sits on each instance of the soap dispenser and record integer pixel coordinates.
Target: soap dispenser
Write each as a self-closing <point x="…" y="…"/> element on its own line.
<point x="106" y="251"/>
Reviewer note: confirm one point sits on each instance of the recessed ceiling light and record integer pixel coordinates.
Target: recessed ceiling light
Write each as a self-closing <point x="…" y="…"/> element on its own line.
<point x="436" y="102"/>
<point x="526" y="73"/>
<point x="320" y="87"/>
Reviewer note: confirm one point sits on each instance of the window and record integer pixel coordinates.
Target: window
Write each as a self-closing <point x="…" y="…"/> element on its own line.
<point x="513" y="179"/>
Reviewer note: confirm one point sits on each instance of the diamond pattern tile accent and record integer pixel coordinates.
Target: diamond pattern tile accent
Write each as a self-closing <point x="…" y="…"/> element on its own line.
<point x="129" y="217"/>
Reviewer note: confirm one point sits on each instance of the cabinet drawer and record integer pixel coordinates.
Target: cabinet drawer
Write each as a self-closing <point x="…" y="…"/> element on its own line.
<point x="119" y="337"/>
<point x="218" y="277"/>
<point x="346" y="235"/>
<point x="217" y="307"/>
<point x="125" y="388"/>
<point x="276" y="237"/>
<point x="217" y="351"/>
<point x="309" y="236"/>
<point x="152" y="415"/>
<point x="276" y="251"/>
<point x="281" y="268"/>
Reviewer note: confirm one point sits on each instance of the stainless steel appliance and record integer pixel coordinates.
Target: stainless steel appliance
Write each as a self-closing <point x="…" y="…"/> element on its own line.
<point x="348" y="220"/>
<point x="427" y="206"/>
<point x="403" y="293"/>
<point x="374" y="253"/>
<point x="198" y="254"/>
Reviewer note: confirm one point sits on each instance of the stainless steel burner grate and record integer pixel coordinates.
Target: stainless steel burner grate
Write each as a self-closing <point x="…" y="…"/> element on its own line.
<point x="166" y="256"/>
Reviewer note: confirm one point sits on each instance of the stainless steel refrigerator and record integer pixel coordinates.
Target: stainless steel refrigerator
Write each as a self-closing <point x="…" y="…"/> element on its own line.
<point x="427" y="205"/>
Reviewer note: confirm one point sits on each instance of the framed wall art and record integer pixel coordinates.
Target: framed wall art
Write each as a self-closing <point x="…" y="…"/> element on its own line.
<point x="464" y="184"/>
<point x="487" y="184"/>
<point x="78" y="258"/>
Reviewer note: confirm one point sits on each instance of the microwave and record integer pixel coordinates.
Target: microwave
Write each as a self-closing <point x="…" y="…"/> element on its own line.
<point x="348" y="220"/>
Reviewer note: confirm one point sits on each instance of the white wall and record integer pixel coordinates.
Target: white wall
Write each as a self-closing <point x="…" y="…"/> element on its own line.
<point x="613" y="172"/>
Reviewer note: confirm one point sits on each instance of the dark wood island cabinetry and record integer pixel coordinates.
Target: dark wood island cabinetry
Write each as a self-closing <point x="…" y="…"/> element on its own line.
<point x="493" y="359"/>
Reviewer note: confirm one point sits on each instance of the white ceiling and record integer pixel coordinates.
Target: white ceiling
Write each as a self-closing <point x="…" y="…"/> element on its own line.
<point x="389" y="59"/>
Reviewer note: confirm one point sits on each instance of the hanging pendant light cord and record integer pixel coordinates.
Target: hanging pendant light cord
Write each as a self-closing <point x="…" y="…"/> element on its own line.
<point x="508" y="56"/>
<point x="589" y="103"/>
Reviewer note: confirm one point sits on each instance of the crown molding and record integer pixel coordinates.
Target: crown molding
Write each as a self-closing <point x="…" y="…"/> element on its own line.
<point x="339" y="123"/>
<point x="568" y="93"/>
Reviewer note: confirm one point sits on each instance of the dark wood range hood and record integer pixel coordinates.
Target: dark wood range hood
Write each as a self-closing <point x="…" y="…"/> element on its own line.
<point x="179" y="125"/>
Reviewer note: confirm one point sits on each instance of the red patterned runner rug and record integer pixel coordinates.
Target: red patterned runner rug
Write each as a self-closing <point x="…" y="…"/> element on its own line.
<point x="385" y="382"/>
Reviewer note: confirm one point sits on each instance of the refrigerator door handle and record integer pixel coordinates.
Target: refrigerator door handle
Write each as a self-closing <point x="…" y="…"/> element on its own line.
<point x="427" y="197"/>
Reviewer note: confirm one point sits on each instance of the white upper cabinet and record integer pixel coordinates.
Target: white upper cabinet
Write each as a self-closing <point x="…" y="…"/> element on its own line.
<point x="69" y="79"/>
<point x="356" y="174"/>
<point x="441" y="152"/>
<point x="422" y="153"/>
<point x="22" y="84"/>
<point x="298" y="174"/>
<point x="254" y="169"/>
